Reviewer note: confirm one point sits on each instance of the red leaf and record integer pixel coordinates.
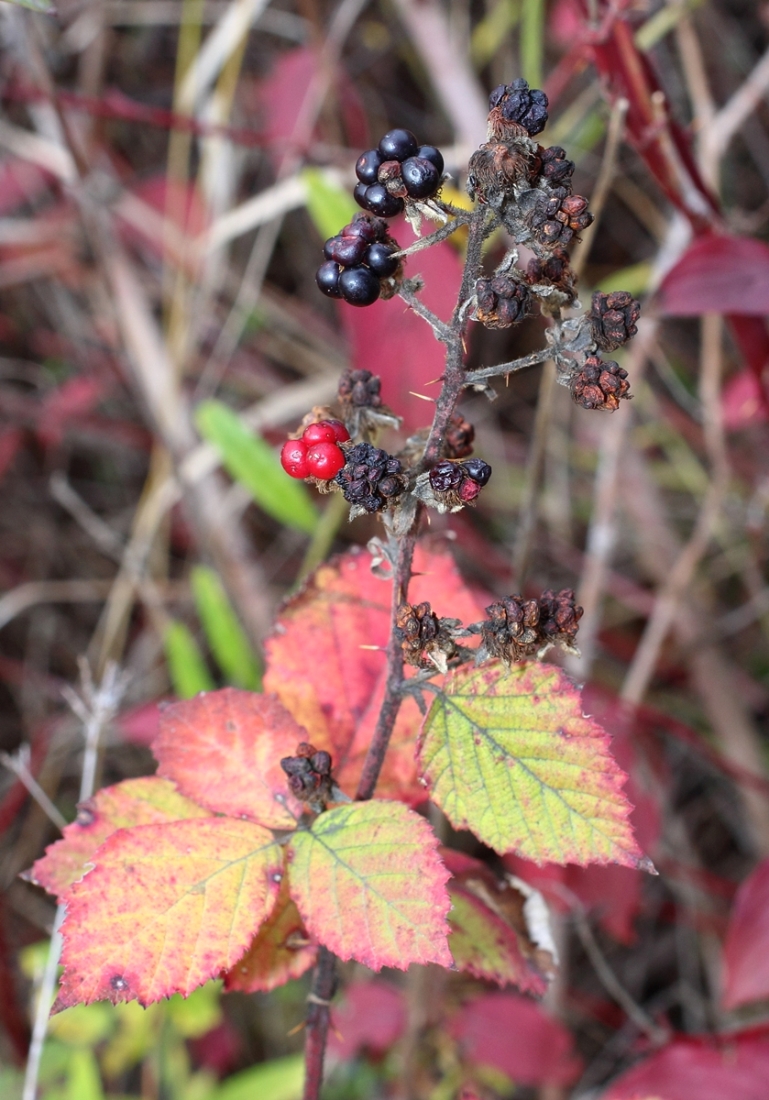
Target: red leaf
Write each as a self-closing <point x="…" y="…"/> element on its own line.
<point x="282" y="95"/>
<point x="70" y="401"/>
<point x="280" y="951"/>
<point x="516" y="1036"/>
<point x="141" y="724"/>
<point x="317" y="667"/>
<point x="742" y="402"/>
<point x="223" y="749"/>
<point x="700" y="1069"/>
<point x="145" y="801"/>
<point x="746" y="949"/>
<point x="165" y="908"/>
<point x="372" y="1015"/>
<point x="391" y="341"/>
<point x="718" y="275"/>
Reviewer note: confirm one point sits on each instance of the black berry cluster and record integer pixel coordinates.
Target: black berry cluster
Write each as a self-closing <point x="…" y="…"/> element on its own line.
<point x="309" y="774"/>
<point x="371" y="478"/>
<point x="501" y="301"/>
<point x="460" y="480"/>
<point x="518" y="104"/>
<point x="613" y="319"/>
<point x="357" y="260"/>
<point x="399" y="169"/>
<point x="600" y="384"/>
<point x="517" y="629"/>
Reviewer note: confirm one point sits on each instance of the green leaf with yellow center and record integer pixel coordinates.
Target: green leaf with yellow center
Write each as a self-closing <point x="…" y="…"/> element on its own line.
<point x="509" y="755"/>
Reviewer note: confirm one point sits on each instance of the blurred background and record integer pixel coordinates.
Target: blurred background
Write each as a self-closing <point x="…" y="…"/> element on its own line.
<point x="169" y="170"/>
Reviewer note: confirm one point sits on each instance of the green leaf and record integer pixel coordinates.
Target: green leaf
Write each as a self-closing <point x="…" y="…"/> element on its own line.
<point x="280" y="1079"/>
<point x="329" y="204"/>
<point x="490" y="34"/>
<point x="83" y="1077"/>
<point x="224" y="633"/>
<point x="509" y="755"/>
<point x="251" y="460"/>
<point x="186" y="667"/>
<point x="369" y="884"/>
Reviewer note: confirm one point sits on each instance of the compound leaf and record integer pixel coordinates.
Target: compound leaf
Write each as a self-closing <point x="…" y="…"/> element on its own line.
<point x="145" y="801"/>
<point x="509" y="755"/>
<point x="370" y="885"/>
<point x="224" y="749"/>
<point x="165" y="908"/>
<point x="281" y="950"/>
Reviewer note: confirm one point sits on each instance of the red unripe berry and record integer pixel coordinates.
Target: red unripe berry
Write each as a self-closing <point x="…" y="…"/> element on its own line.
<point x="325" y="431"/>
<point x="325" y="460"/>
<point x="293" y="458"/>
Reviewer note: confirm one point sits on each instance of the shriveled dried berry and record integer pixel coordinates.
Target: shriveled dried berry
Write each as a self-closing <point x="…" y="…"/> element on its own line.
<point x="309" y="775"/>
<point x="558" y="217"/>
<point x="600" y="384"/>
<point x="517" y="103"/>
<point x="459" y="438"/>
<point x="502" y="301"/>
<point x="613" y="318"/>
<point x="360" y="389"/>
<point x="371" y="478"/>
<point x="554" y="167"/>
<point x="446" y="477"/>
<point x="518" y="629"/>
<point x="424" y="638"/>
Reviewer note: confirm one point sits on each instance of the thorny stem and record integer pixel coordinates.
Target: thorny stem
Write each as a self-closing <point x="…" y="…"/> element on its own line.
<point x="318" y="1002"/>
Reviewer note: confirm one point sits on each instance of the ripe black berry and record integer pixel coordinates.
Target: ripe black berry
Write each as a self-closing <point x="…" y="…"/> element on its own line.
<point x="398" y="145"/>
<point x="420" y="177"/>
<point x="359" y="194"/>
<point x="379" y="258"/>
<point x="327" y="278"/>
<point x="359" y="286"/>
<point x="378" y="200"/>
<point x="478" y="470"/>
<point x="365" y="226"/>
<point x="347" y="251"/>
<point x="367" y="166"/>
<point x="429" y="152"/>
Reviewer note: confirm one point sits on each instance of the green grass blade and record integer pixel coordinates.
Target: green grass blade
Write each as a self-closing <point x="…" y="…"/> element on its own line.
<point x="329" y="205"/>
<point x="250" y="460"/>
<point x="225" y="636"/>
<point x="532" y="41"/>
<point x="186" y="666"/>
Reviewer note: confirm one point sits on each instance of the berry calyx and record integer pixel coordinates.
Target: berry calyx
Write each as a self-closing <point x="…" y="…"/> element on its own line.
<point x="293" y="458"/>
<point x="359" y="286"/>
<point x="324" y="460"/>
<point x="325" y="431"/>
<point x="398" y="145"/>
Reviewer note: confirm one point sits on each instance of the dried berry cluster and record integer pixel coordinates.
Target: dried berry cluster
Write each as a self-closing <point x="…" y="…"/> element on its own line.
<point x="371" y="477"/>
<point x="613" y="319"/>
<point x="600" y="384"/>
<point x="502" y="301"/>
<point x="398" y="170"/>
<point x="518" y="629"/>
<point x="309" y="775"/>
<point x="360" y="266"/>
<point x="360" y="389"/>
<point x="424" y="638"/>
<point x="459" y="482"/>
<point x="460" y="436"/>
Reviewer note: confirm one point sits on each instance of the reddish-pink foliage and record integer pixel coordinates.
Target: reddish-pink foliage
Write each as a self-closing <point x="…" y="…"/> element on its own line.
<point x="700" y="1069"/>
<point x="718" y="274"/>
<point x="391" y="341"/>
<point x="372" y="1015"/>
<point x="746" y="949"/>
<point x="517" y="1037"/>
<point x="742" y="402"/>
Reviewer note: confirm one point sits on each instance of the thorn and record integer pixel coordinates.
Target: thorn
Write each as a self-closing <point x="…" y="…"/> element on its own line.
<point x="435" y="381"/>
<point x="422" y="397"/>
<point x="378" y="648"/>
<point x="296" y="1030"/>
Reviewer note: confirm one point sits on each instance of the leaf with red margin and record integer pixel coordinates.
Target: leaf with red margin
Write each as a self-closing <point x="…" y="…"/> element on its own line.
<point x="165" y="908"/>
<point x="223" y="749"/>
<point x="372" y="1015"/>
<point x="280" y="951"/>
<point x="509" y="755"/>
<point x="516" y="1037"/>
<point x="746" y="948"/>
<point x="718" y="274"/>
<point x="318" y="668"/>
<point x="370" y="885"/>
<point x="489" y="934"/>
<point x="146" y="801"/>
<point x="736" y="1068"/>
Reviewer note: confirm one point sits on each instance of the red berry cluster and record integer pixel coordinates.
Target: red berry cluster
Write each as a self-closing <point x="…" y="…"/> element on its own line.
<point x="317" y="452"/>
<point x="357" y="259"/>
<point x="397" y="170"/>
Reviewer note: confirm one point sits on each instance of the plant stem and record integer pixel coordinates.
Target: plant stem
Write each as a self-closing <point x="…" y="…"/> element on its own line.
<point x="319" y="1002"/>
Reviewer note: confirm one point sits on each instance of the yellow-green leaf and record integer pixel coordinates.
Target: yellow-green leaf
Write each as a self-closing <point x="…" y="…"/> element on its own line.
<point x="509" y="755"/>
<point x="224" y="633"/>
<point x="186" y="666"/>
<point x="329" y="204"/>
<point x="251" y="460"/>
<point x="369" y="884"/>
<point x="165" y="908"/>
